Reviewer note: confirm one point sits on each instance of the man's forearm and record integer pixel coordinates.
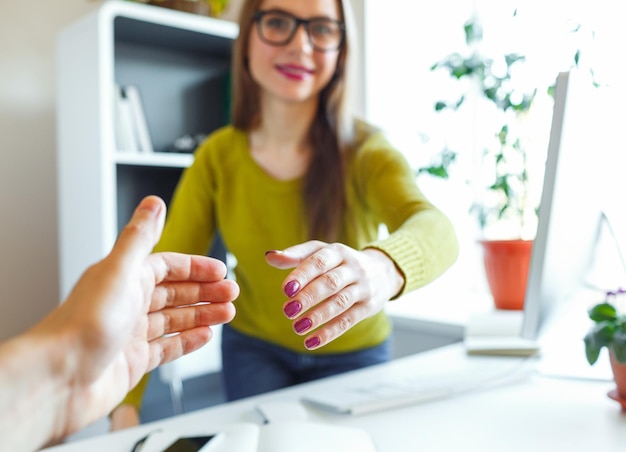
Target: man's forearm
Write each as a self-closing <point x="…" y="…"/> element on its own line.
<point x="31" y="392"/>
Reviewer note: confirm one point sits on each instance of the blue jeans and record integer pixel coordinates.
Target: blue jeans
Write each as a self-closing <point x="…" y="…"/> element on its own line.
<point x="252" y="366"/>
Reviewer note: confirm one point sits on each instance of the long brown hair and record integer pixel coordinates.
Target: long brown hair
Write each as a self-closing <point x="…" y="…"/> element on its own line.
<point x="331" y="132"/>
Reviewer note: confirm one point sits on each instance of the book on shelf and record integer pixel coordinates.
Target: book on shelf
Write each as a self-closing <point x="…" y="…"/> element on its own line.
<point x="131" y="128"/>
<point x="124" y="135"/>
<point x="287" y="436"/>
<point x="140" y="124"/>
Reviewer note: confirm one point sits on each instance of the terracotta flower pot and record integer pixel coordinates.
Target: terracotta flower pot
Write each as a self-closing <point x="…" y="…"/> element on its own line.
<point x="619" y="375"/>
<point x="506" y="267"/>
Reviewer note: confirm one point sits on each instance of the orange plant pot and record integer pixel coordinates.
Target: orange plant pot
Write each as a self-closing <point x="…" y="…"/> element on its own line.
<point x="619" y="375"/>
<point x="506" y="267"/>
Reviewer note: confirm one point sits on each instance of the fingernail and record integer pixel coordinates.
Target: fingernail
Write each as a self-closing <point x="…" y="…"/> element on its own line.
<point x="291" y="288"/>
<point x="292" y="309"/>
<point x="303" y="325"/>
<point x="272" y="252"/>
<point x="150" y="205"/>
<point x="312" y="342"/>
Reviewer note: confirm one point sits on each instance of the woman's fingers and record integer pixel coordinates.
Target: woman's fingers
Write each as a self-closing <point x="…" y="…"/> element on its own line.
<point x="334" y="327"/>
<point x="317" y="264"/>
<point x="332" y="288"/>
<point x="333" y="317"/>
<point x="294" y="255"/>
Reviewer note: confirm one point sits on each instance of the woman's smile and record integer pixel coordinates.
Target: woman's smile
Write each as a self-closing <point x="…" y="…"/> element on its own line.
<point x="294" y="71"/>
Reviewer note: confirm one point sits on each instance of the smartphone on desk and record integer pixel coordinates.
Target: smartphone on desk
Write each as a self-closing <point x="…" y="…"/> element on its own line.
<point x="203" y="443"/>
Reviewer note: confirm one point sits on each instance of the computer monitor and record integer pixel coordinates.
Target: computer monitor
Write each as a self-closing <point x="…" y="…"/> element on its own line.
<point x="570" y="211"/>
<point x="577" y="211"/>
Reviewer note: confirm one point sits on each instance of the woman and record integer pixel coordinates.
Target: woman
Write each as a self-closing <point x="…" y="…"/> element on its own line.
<point x="296" y="175"/>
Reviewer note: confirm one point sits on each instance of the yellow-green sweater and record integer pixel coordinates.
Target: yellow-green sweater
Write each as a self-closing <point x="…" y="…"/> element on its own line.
<point x="226" y="189"/>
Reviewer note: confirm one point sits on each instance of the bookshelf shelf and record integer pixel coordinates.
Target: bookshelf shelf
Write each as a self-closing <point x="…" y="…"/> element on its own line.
<point x="163" y="159"/>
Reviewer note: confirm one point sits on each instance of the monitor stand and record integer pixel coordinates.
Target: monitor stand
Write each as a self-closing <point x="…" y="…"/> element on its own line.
<point x="563" y="347"/>
<point x="498" y="332"/>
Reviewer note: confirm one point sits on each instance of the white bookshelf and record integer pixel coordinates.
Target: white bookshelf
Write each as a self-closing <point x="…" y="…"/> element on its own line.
<point x="180" y="62"/>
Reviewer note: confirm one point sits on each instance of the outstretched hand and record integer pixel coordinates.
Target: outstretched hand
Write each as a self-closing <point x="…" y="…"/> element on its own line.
<point x="120" y="318"/>
<point x="333" y="287"/>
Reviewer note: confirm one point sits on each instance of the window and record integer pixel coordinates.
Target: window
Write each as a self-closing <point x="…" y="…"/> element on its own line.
<point x="404" y="39"/>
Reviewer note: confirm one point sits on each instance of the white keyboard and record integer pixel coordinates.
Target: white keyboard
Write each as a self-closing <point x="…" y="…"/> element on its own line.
<point x="382" y="396"/>
<point x="388" y="394"/>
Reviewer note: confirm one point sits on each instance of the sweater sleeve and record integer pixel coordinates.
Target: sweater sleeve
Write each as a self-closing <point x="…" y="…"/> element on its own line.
<point x="422" y="241"/>
<point x="190" y="224"/>
<point x="135" y="396"/>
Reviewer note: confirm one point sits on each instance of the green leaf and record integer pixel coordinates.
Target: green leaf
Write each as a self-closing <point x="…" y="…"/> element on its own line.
<point x="461" y="70"/>
<point x="491" y="94"/>
<point x="503" y="210"/>
<point x="513" y="58"/>
<point x="473" y="31"/>
<point x="619" y="346"/>
<point x="438" y="171"/>
<point x="591" y="351"/>
<point x="601" y="335"/>
<point x="603" y="312"/>
<point x="503" y="134"/>
<point x="576" y="28"/>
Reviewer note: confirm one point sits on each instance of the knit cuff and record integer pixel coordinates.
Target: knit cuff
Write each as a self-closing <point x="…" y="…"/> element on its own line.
<point x="408" y="257"/>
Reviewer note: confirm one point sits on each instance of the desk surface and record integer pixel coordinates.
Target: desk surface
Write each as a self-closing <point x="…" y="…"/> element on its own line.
<point x="537" y="413"/>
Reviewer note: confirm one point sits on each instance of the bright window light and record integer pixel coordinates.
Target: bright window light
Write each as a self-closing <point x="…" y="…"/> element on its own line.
<point x="404" y="39"/>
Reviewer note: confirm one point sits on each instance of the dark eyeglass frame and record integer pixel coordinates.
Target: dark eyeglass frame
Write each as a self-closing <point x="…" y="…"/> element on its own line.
<point x="258" y="17"/>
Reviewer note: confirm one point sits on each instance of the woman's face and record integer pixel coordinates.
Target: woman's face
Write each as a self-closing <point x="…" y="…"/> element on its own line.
<point x="296" y="71"/>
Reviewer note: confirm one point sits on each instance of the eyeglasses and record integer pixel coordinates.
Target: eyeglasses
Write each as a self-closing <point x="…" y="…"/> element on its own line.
<point x="278" y="28"/>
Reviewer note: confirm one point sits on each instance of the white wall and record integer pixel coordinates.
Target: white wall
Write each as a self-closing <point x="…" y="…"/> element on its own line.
<point x="28" y="218"/>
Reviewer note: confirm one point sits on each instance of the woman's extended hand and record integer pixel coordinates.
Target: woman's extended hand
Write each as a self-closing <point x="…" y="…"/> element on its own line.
<point x="333" y="287"/>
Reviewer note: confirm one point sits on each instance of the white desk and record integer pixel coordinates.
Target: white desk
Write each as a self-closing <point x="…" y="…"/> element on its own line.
<point x="536" y="414"/>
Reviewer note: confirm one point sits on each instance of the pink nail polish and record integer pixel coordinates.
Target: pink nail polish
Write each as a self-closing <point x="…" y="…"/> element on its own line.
<point x="292" y="309"/>
<point x="291" y="288"/>
<point x="303" y="325"/>
<point x="312" y="342"/>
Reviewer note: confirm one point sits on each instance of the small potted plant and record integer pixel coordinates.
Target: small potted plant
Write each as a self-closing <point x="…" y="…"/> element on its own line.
<point x="609" y="330"/>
